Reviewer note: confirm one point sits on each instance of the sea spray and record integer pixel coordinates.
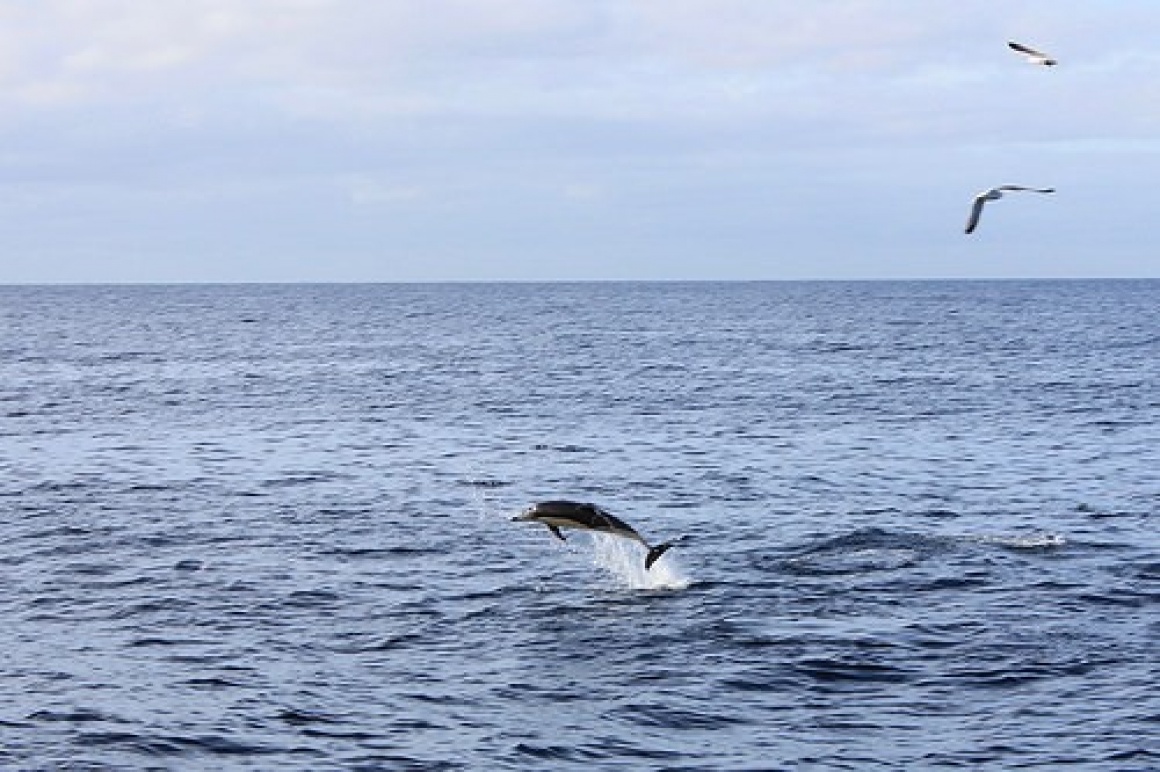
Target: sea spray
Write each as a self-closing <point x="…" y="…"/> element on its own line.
<point x="624" y="559"/>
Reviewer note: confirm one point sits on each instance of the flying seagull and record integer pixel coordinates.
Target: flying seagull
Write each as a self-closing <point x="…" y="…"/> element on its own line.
<point x="1033" y="56"/>
<point x="994" y="194"/>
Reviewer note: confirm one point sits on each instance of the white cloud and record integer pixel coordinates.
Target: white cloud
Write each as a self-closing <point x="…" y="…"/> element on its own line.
<point x="639" y="60"/>
<point x="711" y="116"/>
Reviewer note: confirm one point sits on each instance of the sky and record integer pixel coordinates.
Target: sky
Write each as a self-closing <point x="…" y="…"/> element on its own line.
<point x="542" y="140"/>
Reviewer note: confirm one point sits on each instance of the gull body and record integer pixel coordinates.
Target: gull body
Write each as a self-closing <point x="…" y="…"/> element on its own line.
<point x="994" y="194"/>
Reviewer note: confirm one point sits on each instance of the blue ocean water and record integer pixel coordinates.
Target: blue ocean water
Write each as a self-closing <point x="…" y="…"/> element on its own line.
<point x="268" y="527"/>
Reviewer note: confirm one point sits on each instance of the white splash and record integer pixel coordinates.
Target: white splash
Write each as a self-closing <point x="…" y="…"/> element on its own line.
<point x="1032" y="541"/>
<point x="624" y="559"/>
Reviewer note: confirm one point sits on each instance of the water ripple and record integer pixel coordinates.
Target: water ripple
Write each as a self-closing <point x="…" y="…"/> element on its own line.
<point x="269" y="527"/>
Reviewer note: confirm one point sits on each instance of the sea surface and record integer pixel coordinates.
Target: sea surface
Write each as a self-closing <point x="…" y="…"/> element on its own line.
<point x="269" y="527"/>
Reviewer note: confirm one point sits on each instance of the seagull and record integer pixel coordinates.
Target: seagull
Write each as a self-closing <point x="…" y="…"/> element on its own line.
<point x="994" y="194"/>
<point x="1033" y="56"/>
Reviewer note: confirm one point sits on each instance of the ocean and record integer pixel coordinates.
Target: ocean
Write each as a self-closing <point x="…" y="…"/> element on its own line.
<point x="256" y="527"/>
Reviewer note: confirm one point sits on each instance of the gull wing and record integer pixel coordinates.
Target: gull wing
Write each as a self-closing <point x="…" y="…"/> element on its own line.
<point x="1026" y="49"/>
<point x="976" y="212"/>
<point x="1033" y="56"/>
<point x="1024" y="187"/>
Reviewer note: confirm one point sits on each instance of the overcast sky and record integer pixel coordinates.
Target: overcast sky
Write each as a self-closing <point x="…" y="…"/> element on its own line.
<point x="401" y="140"/>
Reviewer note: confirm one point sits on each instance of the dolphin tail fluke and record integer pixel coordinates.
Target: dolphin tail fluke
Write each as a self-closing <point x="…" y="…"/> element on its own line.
<point x="654" y="553"/>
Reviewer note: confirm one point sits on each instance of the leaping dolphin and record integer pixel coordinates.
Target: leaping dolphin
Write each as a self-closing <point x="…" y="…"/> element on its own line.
<point x="588" y="517"/>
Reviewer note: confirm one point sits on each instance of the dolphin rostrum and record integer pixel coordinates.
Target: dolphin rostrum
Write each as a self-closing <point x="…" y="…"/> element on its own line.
<point x="588" y="517"/>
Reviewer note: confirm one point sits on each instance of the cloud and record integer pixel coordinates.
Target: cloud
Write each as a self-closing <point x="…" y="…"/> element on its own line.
<point x="703" y="61"/>
<point x="605" y="125"/>
<point x="81" y="51"/>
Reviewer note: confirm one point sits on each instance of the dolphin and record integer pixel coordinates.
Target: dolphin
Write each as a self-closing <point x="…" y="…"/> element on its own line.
<point x="588" y="517"/>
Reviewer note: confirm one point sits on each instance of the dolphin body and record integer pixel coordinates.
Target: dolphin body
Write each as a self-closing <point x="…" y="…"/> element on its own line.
<point x="588" y="517"/>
